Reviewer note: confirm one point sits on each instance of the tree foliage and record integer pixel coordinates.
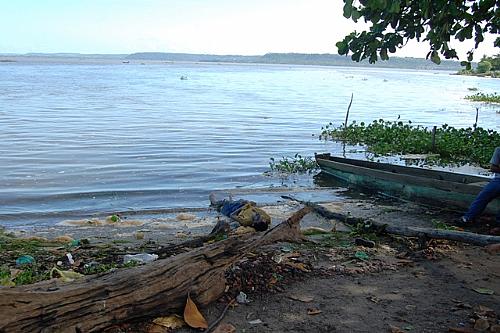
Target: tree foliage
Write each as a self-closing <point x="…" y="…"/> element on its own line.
<point x="394" y="22"/>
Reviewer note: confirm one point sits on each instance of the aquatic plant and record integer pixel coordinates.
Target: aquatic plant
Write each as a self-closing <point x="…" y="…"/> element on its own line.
<point x="452" y="145"/>
<point x="482" y="97"/>
<point x="295" y="164"/>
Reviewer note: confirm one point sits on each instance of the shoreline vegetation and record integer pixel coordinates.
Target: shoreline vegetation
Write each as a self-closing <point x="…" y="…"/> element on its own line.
<point x="269" y="58"/>
<point x="487" y="67"/>
<point x="446" y="144"/>
<point x="485" y="98"/>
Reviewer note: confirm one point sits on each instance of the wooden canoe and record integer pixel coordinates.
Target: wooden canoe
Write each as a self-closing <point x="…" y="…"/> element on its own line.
<point x="433" y="187"/>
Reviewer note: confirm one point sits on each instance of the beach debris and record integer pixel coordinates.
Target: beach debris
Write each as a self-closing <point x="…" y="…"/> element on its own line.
<point x="364" y="242"/>
<point x="224" y="328"/>
<point x="65" y="276"/>
<point x="139" y="235"/>
<point x="361" y="255"/>
<point x="113" y="218"/>
<point x="171" y="322"/>
<point x="255" y="322"/>
<point x="192" y="316"/>
<point x="484" y="291"/>
<point x="70" y="258"/>
<point x="185" y="217"/>
<point x="63" y="239"/>
<point x="395" y="329"/>
<point x="242" y="298"/>
<point x="313" y="311"/>
<point x="8" y="281"/>
<point x="301" y="298"/>
<point x="243" y="230"/>
<point x="481" y="324"/>
<point x="25" y="260"/>
<point x="140" y="258"/>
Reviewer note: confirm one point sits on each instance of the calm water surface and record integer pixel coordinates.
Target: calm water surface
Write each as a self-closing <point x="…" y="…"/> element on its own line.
<point x="82" y="139"/>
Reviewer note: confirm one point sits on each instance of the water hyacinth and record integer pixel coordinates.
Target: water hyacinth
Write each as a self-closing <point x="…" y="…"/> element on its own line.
<point x="452" y="145"/>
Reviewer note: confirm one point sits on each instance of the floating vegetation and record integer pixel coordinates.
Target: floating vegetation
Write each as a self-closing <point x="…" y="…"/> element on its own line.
<point x="452" y="145"/>
<point x="486" y="98"/>
<point x="295" y="164"/>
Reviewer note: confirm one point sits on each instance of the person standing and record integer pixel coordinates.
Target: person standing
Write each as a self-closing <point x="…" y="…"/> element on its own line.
<point x="487" y="194"/>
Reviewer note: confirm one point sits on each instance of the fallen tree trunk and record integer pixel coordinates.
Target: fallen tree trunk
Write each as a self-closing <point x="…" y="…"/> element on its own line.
<point x="459" y="236"/>
<point x="95" y="303"/>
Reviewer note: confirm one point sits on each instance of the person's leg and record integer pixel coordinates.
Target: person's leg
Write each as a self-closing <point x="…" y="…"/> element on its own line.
<point x="489" y="192"/>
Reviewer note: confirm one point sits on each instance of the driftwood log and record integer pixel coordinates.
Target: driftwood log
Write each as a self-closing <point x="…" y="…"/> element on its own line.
<point x="95" y="303"/>
<point x="430" y="233"/>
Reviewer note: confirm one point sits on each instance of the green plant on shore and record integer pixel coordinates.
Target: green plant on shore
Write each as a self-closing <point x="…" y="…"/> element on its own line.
<point x="452" y="145"/>
<point x="482" y="97"/>
<point x="295" y="164"/>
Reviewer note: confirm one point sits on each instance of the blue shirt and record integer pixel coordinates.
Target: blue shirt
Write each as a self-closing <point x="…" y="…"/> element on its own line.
<point x="495" y="160"/>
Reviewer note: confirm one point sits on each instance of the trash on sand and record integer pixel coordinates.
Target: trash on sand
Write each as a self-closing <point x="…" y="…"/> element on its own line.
<point x="225" y="328"/>
<point x="70" y="258"/>
<point x="171" y="322"/>
<point x="242" y="298"/>
<point x="484" y="291"/>
<point x="25" y="260"/>
<point x="139" y="235"/>
<point x="8" y="281"/>
<point x="255" y="322"/>
<point x="313" y="311"/>
<point x="65" y="276"/>
<point x="361" y="255"/>
<point x="192" y="315"/>
<point x="395" y="329"/>
<point x="243" y="230"/>
<point x="185" y="217"/>
<point x="299" y="266"/>
<point x="63" y="239"/>
<point x="364" y="242"/>
<point x="140" y="258"/>
<point x="301" y="298"/>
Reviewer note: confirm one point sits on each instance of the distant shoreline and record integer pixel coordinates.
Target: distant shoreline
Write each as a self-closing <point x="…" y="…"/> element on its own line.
<point x="318" y="60"/>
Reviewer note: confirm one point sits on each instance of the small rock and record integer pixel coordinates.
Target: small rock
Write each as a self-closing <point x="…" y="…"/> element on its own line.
<point x="495" y="329"/>
<point x="481" y="324"/>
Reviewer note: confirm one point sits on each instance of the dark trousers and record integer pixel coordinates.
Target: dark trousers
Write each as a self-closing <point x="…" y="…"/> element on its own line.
<point x="487" y="194"/>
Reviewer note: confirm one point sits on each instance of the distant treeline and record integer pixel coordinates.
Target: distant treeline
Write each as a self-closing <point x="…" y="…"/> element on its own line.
<point x="297" y="59"/>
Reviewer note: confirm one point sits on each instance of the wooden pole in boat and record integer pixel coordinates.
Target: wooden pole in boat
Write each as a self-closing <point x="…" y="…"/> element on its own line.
<point x="433" y="146"/>
<point x="347" y="113"/>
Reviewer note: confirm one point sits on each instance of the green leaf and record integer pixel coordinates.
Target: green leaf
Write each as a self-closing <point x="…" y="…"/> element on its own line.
<point x="355" y="14"/>
<point x="348" y="9"/>
<point x="483" y="291"/>
<point x="395" y="8"/>
<point x="342" y="47"/>
<point x="435" y="58"/>
<point x="383" y="54"/>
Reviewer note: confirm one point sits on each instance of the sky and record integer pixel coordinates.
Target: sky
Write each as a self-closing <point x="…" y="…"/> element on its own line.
<point x="244" y="27"/>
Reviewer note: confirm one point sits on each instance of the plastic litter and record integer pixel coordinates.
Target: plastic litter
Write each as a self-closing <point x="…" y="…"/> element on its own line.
<point x="70" y="258"/>
<point x="242" y="298"/>
<point x="25" y="260"/>
<point x="140" y="258"/>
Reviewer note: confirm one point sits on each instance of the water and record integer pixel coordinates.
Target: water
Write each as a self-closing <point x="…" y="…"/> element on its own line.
<point x="82" y="139"/>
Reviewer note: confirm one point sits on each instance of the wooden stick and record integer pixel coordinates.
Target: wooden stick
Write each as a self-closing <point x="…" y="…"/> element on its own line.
<point x="347" y="113"/>
<point x="458" y="236"/>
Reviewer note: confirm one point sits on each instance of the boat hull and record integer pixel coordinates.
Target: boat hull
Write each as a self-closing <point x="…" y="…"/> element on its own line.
<point x="427" y="186"/>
